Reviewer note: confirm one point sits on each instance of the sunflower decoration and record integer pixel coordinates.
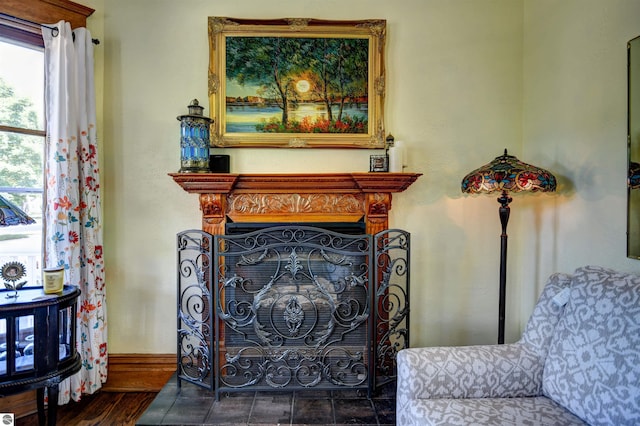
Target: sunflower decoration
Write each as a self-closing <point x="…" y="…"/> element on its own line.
<point x="11" y="273"/>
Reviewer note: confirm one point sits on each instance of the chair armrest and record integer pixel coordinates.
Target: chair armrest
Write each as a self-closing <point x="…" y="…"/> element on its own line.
<point x="485" y="371"/>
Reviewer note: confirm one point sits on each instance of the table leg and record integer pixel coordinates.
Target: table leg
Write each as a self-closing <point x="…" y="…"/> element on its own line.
<point x="40" y="405"/>
<point x="53" y="405"/>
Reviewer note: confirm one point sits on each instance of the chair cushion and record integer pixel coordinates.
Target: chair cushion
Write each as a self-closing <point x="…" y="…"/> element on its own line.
<point x="533" y="411"/>
<point x="593" y="364"/>
<point x="546" y="314"/>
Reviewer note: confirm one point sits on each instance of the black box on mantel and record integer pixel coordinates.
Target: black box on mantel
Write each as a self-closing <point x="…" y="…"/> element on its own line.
<point x="219" y="163"/>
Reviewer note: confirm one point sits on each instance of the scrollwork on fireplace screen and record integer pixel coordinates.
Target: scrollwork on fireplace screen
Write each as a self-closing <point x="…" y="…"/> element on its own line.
<point x="195" y="308"/>
<point x="294" y="307"/>
<point x="391" y="322"/>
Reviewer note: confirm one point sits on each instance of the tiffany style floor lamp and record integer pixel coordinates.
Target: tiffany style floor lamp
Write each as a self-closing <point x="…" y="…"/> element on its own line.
<point x="506" y="174"/>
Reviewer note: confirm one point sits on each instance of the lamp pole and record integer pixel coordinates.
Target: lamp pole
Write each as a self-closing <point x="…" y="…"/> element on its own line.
<point x="503" y="211"/>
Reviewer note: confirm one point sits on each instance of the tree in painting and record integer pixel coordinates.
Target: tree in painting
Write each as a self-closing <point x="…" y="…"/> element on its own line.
<point x="265" y="62"/>
<point x="329" y="74"/>
<point x="339" y="72"/>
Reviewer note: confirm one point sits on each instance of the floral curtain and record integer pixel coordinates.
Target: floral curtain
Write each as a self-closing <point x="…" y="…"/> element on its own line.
<point x="72" y="214"/>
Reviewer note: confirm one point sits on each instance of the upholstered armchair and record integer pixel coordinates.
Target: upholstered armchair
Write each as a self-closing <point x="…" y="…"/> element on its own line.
<point x="577" y="362"/>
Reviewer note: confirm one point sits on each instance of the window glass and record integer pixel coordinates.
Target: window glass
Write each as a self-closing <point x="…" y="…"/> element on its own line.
<point x="25" y="349"/>
<point x="21" y="152"/>
<point x="22" y="72"/>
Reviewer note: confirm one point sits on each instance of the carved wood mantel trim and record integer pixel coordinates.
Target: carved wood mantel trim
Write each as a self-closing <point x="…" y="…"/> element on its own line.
<point x="326" y="197"/>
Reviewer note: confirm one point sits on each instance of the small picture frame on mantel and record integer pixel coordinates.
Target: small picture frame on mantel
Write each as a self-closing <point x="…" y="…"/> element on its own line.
<point x="379" y="163"/>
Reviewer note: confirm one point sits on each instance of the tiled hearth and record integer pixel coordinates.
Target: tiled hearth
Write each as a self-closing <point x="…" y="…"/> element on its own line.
<point x="192" y="405"/>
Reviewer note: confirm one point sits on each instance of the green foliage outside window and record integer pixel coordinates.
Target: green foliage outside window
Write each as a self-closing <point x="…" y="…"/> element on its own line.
<point x="21" y="156"/>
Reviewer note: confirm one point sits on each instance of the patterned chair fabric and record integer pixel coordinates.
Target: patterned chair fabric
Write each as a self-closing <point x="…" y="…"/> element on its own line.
<point x="578" y="362"/>
<point x="593" y="366"/>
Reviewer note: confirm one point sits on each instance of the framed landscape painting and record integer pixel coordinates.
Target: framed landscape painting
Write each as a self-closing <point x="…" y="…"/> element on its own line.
<point x="296" y="83"/>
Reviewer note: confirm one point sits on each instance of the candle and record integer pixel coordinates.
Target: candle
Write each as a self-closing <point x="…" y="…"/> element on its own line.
<point x="53" y="280"/>
<point x="396" y="157"/>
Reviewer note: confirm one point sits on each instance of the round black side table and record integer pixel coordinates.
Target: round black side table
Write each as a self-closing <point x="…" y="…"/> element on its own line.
<point x="37" y="344"/>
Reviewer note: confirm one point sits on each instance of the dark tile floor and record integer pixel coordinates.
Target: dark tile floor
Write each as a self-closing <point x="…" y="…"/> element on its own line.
<point x="192" y="405"/>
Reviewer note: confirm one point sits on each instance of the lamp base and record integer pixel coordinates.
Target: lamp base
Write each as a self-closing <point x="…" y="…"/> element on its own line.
<point x="194" y="165"/>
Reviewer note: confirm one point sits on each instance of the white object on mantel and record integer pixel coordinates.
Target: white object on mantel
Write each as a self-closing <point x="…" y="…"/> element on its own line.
<point x="396" y="157"/>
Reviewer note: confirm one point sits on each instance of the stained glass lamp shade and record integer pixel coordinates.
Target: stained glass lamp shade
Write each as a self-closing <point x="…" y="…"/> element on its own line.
<point x="10" y="214"/>
<point x="506" y="174"/>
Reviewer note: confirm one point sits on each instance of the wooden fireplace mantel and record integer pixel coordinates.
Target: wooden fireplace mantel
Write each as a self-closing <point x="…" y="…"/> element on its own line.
<point x="324" y="197"/>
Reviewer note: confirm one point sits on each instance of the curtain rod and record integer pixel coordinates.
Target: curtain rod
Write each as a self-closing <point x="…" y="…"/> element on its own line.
<point x="54" y="30"/>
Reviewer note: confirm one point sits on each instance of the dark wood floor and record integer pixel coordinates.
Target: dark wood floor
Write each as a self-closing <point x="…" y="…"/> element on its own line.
<point x="100" y="409"/>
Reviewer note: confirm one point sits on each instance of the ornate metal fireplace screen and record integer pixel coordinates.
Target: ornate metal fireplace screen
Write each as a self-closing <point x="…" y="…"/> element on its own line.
<point x="293" y="307"/>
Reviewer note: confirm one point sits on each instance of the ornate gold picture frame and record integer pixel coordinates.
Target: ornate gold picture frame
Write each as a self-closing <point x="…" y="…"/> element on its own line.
<point x="296" y="83"/>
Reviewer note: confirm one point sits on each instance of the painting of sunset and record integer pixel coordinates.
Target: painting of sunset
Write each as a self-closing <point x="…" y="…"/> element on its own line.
<point x="296" y="85"/>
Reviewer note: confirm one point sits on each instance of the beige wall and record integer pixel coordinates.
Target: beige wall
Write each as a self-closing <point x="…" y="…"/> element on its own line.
<point x="575" y="109"/>
<point x="466" y="79"/>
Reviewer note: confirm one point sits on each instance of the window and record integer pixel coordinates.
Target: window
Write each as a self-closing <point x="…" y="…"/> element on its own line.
<point x="22" y="135"/>
<point x="16" y="31"/>
<point x="22" y="139"/>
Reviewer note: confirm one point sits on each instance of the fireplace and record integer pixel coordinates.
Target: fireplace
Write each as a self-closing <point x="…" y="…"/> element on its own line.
<point x="292" y="287"/>
<point x="327" y="197"/>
